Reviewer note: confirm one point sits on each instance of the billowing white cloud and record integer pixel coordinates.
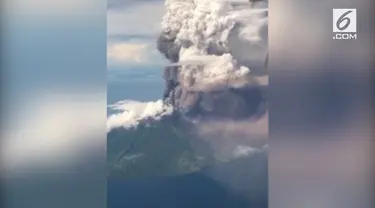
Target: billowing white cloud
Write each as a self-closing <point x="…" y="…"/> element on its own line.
<point x="134" y="112"/>
<point x="223" y="29"/>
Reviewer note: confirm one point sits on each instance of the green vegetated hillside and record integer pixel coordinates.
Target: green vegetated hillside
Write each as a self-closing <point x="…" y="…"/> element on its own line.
<point x="159" y="149"/>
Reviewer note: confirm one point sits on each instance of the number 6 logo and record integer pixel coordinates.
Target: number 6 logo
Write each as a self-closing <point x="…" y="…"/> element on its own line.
<point x="343" y="18"/>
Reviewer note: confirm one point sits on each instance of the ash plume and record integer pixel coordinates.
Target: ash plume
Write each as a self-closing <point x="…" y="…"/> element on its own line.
<point x="217" y="50"/>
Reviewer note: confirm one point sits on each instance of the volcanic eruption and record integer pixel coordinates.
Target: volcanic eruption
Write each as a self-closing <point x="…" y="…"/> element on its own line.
<point x="214" y="106"/>
<point x="218" y="51"/>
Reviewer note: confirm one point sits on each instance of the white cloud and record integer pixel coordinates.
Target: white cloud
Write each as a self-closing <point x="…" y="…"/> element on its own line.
<point x="244" y="151"/>
<point x="133" y="112"/>
<point x="127" y="52"/>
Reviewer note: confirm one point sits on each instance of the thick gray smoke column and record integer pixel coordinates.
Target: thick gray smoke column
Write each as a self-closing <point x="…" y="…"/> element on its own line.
<point x="217" y="49"/>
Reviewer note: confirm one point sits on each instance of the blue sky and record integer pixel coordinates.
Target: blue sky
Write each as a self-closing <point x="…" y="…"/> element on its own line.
<point x="134" y="66"/>
<point x="132" y="30"/>
<point x="53" y="46"/>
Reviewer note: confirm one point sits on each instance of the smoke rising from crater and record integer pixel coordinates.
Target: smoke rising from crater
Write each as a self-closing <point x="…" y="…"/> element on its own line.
<point x="217" y="50"/>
